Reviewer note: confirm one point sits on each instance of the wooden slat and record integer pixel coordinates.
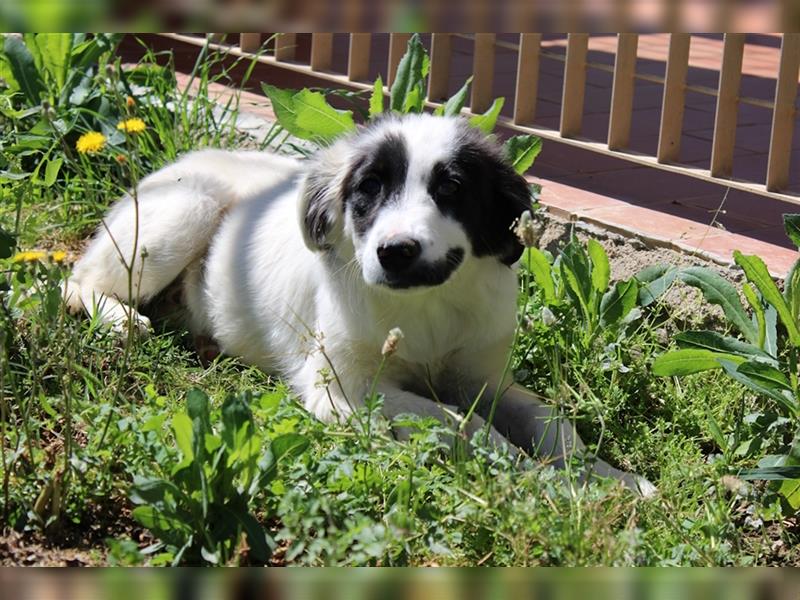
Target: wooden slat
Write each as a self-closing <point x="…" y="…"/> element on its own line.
<point x="397" y="47"/>
<point x="574" y="84"/>
<point x="250" y="42"/>
<point x="441" y="51"/>
<point x="321" y="51"/>
<point x="783" y="117"/>
<point x="619" y="122"/>
<point x="358" y="57"/>
<point x="730" y="77"/>
<point x="669" y="131"/>
<point x="527" y="78"/>
<point x="482" y="72"/>
<point x="285" y="46"/>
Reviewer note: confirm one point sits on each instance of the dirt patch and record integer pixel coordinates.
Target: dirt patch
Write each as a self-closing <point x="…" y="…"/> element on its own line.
<point x="628" y="256"/>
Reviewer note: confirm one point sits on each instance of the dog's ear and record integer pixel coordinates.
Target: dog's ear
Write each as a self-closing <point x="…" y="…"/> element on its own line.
<point x="512" y="197"/>
<point x="321" y="199"/>
<point x="502" y="195"/>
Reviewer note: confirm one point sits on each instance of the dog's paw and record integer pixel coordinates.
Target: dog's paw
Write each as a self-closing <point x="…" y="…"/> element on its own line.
<point x="142" y="328"/>
<point x="644" y="487"/>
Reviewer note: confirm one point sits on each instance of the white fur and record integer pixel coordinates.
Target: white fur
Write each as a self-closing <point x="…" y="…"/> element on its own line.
<point x="257" y="284"/>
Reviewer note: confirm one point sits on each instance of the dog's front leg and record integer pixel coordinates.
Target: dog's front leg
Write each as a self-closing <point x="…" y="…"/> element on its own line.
<point x="530" y="423"/>
<point x="397" y="402"/>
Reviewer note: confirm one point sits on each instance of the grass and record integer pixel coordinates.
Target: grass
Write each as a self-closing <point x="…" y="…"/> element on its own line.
<point x="83" y="413"/>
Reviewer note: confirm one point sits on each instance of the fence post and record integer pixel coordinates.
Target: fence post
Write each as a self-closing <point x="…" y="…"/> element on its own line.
<point x="671" y="126"/>
<point x="482" y="72"/>
<point x="321" y="51"/>
<point x="358" y="56"/>
<point x="730" y="76"/>
<point x="441" y="50"/>
<point x="574" y="85"/>
<point x="619" y="121"/>
<point x="527" y="78"/>
<point x="783" y="115"/>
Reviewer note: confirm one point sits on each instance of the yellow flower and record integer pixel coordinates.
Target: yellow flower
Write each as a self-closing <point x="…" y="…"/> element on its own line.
<point x="134" y="125"/>
<point x="29" y="256"/>
<point x="58" y="256"/>
<point x="91" y="143"/>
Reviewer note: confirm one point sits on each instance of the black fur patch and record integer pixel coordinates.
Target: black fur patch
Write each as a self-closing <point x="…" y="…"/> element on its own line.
<point x="388" y="164"/>
<point x="490" y="195"/>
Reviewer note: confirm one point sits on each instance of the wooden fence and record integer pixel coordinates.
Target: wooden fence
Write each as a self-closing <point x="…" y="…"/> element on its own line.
<point x="280" y="50"/>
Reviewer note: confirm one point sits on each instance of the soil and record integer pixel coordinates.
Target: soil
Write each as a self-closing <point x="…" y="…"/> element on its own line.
<point x="628" y="256"/>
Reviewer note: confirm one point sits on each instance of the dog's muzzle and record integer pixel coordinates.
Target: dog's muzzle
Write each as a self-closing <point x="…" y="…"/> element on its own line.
<point x="404" y="268"/>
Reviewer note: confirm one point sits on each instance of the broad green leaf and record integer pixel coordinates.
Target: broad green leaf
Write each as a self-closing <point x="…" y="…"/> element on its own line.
<point x="790" y="490"/>
<point x="791" y="289"/>
<point x="522" y="150"/>
<point x="158" y="521"/>
<point x="410" y="73"/>
<point x="488" y="120"/>
<point x="182" y="426"/>
<point x="376" y="99"/>
<point x="55" y="49"/>
<point x="288" y="444"/>
<point x="754" y="378"/>
<point x="453" y="106"/>
<point x="601" y="270"/>
<point x="314" y="114"/>
<point x="537" y="264"/>
<point x="765" y="375"/>
<point x="771" y="337"/>
<point x="284" y="107"/>
<point x="756" y="272"/>
<point x="152" y="490"/>
<point x="718" y="290"/>
<point x="791" y="223"/>
<point x="23" y="68"/>
<point x="51" y="171"/>
<point x="716" y="342"/>
<point x="260" y="542"/>
<point x="782" y="472"/>
<point x="654" y="281"/>
<point x="7" y="244"/>
<point x="716" y="432"/>
<point x="236" y="415"/>
<point x="619" y="301"/>
<point x="198" y="409"/>
<point x="758" y="312"/>
<point x="688" y="361"/>
<point x="574" y="267"/>
<point x="415" y="99"/>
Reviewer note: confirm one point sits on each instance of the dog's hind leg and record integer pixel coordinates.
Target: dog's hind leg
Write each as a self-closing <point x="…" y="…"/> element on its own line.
<point x="530" y="423"/>
<point x="144" y="243"/>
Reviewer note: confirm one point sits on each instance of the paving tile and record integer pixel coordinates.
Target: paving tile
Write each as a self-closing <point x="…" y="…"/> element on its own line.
<point x="779" y="260"/>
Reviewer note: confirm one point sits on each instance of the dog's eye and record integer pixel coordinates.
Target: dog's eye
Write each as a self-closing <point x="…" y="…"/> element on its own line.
<point x="371" y="186"/>
<point x="447" y="188"/>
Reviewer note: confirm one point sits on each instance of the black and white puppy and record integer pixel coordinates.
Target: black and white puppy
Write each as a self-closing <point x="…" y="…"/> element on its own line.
<point x="405" y="224"/>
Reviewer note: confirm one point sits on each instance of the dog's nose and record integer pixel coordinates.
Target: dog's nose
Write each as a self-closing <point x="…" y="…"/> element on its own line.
<point x="397" y="255"/>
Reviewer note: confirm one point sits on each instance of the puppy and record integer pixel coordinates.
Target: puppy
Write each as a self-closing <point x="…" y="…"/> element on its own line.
<point x="303" y="267"/>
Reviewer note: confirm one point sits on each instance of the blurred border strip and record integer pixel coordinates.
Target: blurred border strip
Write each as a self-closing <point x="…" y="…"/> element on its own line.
<point x="402" y="584"/>
<point x="700" y="16"/>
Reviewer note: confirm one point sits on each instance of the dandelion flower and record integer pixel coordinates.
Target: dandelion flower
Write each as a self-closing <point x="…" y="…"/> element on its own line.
<point x="29" y="256"/>
<point x="58" y="256"/>
<point x="134" y="125"/>
<point x="91" y="143"/>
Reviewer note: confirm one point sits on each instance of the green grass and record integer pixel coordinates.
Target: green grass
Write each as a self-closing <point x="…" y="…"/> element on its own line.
<point x="83" y="412"/>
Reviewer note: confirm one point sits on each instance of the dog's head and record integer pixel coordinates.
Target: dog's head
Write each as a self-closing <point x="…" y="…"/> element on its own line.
<point x="413" y="198"/>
